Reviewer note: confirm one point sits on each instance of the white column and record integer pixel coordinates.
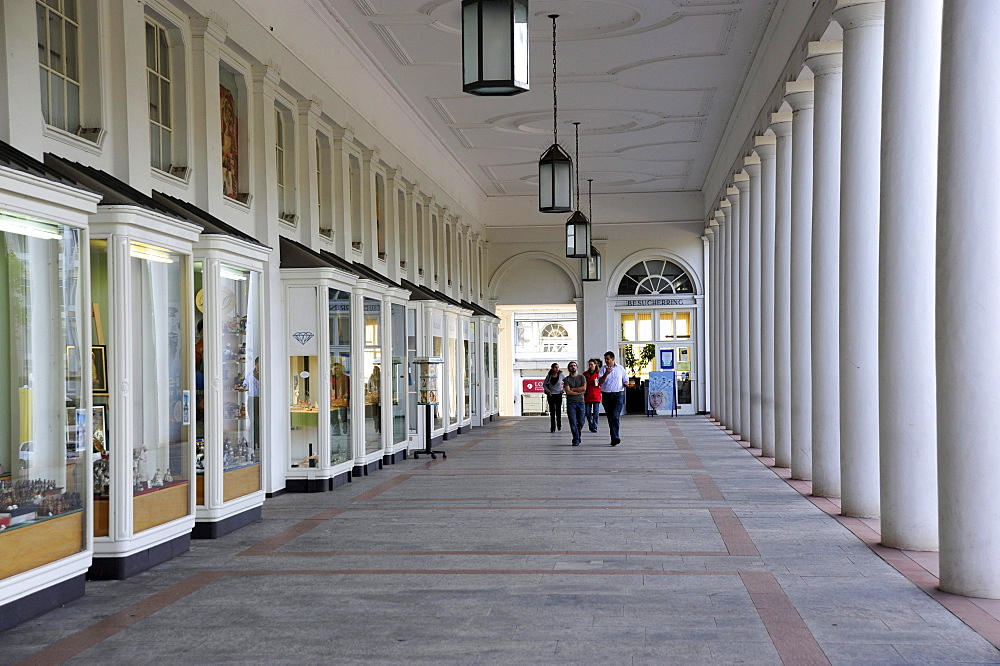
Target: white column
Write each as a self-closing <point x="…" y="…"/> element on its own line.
<point x="767" y="150"/>
<point x="968" y="311"/>
<point x="735" y="225"/>
<point x="781" y="124"/>
<point x="825" y="60"/>
<point x="907" y="378"/>
<point x="859" y="221"/>
<point x="742" y="183"/>
<point x="727" y="305"/>
<point x="704" y="354"/>
<point x="799" y="95"/>
<point x="721" y="232"/>
<point x="713" y="265"/>
<point x="751" y="165"/>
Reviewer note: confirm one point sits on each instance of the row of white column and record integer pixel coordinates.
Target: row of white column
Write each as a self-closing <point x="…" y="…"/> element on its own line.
<point x="854" y="279"/>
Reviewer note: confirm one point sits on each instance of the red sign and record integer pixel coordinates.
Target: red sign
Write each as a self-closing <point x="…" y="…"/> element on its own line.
<point x="532" y="385"/>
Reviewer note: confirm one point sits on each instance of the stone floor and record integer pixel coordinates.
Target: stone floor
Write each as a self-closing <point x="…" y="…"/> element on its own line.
<point x="677" y="547"/>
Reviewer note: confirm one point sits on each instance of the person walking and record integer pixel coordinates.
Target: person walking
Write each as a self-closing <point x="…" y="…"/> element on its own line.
<point x="575" y="387"/>
<point x="612" y="383"/>
<point x="553" y="388"/>
<point x="592" y="398"/>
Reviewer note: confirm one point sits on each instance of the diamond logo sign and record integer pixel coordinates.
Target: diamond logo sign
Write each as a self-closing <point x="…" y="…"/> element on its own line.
<point x="303" y="336"/>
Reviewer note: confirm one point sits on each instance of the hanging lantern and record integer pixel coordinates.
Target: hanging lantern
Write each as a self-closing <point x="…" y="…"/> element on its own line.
<point x="578" y="225"/>
<point x="495" y="47"/>
<point x="555" y="168"/>
<point x="590" y="268"/>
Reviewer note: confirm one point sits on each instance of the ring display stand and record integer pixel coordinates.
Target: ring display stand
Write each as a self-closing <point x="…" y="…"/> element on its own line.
<point x="426" y="370"/>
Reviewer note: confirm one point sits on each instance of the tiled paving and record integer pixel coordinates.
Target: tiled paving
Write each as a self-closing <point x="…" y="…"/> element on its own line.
<point x="677" y="547"/>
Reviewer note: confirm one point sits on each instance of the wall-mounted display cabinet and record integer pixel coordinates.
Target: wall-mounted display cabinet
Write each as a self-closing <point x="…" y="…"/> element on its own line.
<point x="143" y="328"/>
<point x="322" y="416"/>
<point x="45" y="379"/>
<point x="397" y="418"/>
<point x="229" y="388"/>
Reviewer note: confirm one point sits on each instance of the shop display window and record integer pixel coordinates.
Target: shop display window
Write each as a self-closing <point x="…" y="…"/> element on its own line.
<point x="45" y="436"/>
<point x="160" y="402"/>
<point x="454" y="379"/>
<point x="372" y="373"/>
<point x="411" y="354"/>
<point x="304" y="416"/>
<point x="340" y="376"/>
<point x="398" y="322"/>
<point x="466" y="381"/>
<point x="496" y="377"/>
<point x="437" y="346"/>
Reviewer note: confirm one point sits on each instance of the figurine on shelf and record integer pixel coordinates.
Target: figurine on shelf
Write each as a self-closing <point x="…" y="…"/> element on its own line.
<point x="229" y="354"/>
<point x="240" y="383"/>
<point x="157" y="481"/>
<point x="168" y="477"/>
<point x="139" y="457"/>
<point x="199" y="456"/>
<point x="242" y="354"/>
<point x="243" y="413"/>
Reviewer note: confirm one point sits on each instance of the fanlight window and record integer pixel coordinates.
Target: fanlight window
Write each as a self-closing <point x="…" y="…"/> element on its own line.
<point x="655" y="276"/>
<point x="554" y="338"/>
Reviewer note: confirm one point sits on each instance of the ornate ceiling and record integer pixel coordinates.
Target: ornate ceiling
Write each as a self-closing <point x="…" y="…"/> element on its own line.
<point x="652" y="82"/>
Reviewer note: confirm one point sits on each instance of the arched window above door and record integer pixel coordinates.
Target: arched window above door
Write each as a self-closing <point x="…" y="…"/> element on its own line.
<point x="655" y="276"/>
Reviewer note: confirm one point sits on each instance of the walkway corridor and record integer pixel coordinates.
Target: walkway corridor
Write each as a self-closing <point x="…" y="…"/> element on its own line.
<point x="677" y="547"/>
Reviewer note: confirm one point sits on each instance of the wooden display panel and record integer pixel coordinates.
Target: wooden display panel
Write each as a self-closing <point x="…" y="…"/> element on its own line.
<point x="101" y="517"/>
<point x="32" y="546"/>
<point x="160" y="506"/>
<point x="199" y="490"/>
<point x="240" y="482"/>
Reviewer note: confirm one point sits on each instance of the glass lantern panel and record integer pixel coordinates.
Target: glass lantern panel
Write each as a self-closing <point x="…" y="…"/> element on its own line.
<point x="44" y="442"/>
<point x="521" y="44"/>
<point x="470" y="43"/>
<point x="340" y="376"/>
<point x="497" y="41"/>
<point x="160" y="397"/>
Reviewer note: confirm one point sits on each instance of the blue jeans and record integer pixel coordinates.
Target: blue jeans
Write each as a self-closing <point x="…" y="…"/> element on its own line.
<point x="575" y="411"/>
<point x="592" y="411"/>
<point x="613" y="403"/>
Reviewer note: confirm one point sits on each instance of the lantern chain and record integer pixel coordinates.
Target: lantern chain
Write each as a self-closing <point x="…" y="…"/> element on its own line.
<point x="577" y="125"/>
<point x="555" y="98"/>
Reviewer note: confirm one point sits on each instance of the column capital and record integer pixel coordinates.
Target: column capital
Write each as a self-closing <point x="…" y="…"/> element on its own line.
<point x="742" y="182"/>
<point x="781" y="123"/>
<point x="345" y="134"/>
<point x="764" y="146"/>
<point x="724" y="203"/>
<point x="310" y="108"/>
<point x="751" y="164"/>
<point x="852" y="14"/>
<point x="266" y="74"/>
<point x="211" y="26"/>
<point x="720" y="217"/>
<point x="826" y="57"/>
<point x="799" y="94"/>
<point x="370" y="155"/>
<point x="732" y="191"/>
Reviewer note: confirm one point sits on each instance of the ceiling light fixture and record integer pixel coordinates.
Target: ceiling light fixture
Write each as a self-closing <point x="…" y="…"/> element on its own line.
<point x="590" y="268"/>
<point x="495" y="47"/>
<point x="555" y="168"/>
<point x="578" y="225"/>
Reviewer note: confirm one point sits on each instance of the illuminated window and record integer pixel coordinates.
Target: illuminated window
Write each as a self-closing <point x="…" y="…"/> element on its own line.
<point x="655" y="276"/>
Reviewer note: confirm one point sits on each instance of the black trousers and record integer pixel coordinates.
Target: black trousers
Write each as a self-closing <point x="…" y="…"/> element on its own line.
<point x="555" y="410"/>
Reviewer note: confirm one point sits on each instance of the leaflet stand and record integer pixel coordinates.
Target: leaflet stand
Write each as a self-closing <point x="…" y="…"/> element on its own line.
<point x="426" y="370"/>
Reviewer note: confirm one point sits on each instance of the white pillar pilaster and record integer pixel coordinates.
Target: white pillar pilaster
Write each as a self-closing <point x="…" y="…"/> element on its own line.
<point x="767" y="150"/>
<point x="713" y="316"/>
<point x="907" y="377"/>
<point x="735" y="226"/>
<point x="862" y="21"/>
<point x="742" y="184"/>
<point x="751" y="165"/>
<point x="727" y="306"/>
<point x="967" y="309"/>
<point x="825" y="59"/>
<point x="781" y="124"/>
<point x="799" y="95"/>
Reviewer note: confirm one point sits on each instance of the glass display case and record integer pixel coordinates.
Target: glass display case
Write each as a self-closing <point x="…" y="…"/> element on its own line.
<point x="427" y="372"/>
<point x="143" y="327"/>
<point x="44" y="396"/>
<point x="319" y="313"/>
<point x="228" y="384"/>
<point x="372" y="374"/>
<point x="399" y="401"/>
<point x="466" y="372"/>
<point x="437" y="350"/>
<point x="453" y="372"/>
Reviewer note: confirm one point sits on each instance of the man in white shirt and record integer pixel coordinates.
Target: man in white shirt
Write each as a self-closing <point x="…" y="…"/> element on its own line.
<point x="612" y="383"/>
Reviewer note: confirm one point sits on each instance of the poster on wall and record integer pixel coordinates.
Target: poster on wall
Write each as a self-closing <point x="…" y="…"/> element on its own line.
<point x="667" y="358"/>
<point x="660" y="394"/>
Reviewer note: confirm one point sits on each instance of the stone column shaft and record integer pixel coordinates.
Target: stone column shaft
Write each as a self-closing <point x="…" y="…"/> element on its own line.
<point x="752" y="166"/>
<point x="825" y="60"/>
<point x="781" y="124"/>
<point x="967" y="309"/>
<point x="766" y="150"/>
<point x="731" y="392"/>
<point x="799" y="95"/>
<point x="859" y="224"/>
<point x="742" y="183"/>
